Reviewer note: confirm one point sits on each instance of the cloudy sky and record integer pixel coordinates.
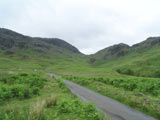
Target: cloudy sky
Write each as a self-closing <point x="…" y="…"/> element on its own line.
<point x="90" y="25"/>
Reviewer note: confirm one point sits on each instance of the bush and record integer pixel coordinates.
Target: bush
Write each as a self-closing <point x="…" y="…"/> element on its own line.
<point x="129" y="72"/>
<point x="91" y="113"/>
<point x="142" y="85"/>
<point x="15" y="114"/>
<point x="20" y="91"/>
<point x="24" y="78"/>
<point x="62" y="85"/>
<point x="35" y="90"/>
<point x="84" y="111"/>
<point x="22" y="85"/>
<point x="5" y="93"/>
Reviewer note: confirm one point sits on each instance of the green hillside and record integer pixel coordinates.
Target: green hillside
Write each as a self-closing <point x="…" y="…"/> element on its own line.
<point x="27" y="91"/>
<point x="141" y="59"/>
<point x="10" y="40"/>
<point x="129" y="74"/>
<point x="20" y="52"/>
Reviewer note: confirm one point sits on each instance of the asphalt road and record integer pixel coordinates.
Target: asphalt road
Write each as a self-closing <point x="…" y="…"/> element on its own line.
<point x="113" y="109"/>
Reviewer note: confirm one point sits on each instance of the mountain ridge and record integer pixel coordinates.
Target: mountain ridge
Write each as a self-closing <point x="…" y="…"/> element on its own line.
<point x="149" y="42"/>
<point x="122" y="49"/>
<point x="141" y="59"/>
<point x="13" y="40"/>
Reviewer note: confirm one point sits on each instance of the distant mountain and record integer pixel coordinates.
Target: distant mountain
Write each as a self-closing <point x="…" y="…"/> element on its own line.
<point x="142" y="59"/>
<point x="111" y="52"/>
<point x="120" y="50"/>
<point x="10" y="40"/>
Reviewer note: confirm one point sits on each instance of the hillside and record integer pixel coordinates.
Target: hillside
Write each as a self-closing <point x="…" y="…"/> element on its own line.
<point x="10" y="40"/>
<point x="24" y="52"/>
<point x="141" y="59"/>
<point x="19" y="52"/>
<point x="111" y="52"/>
<point x="120" y="72"/>
<point x="28" y="91"/>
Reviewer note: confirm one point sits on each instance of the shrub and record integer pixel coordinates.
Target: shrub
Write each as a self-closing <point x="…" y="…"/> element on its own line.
<point x="84" y="111"/>
<point x="20" y="91"/>
<point x="142" y="85"/>
<point x="62" y="85"/>
<point x="15" y="114"/>
<point x="91" y="113"/>
<point x="24" y="78"/>
<point x="35" y="90"/>
<point x="5" y="93"/>
<point x="129" y="72"/>
<point x="22" y="85"/>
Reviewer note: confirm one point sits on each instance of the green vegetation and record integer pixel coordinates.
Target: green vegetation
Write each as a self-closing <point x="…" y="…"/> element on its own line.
<point x="129" y="74"/>
<point x="11" y="41"/>
<point x="41" y="98"/>
<point x="141" y="93"/>
<point x="21" y="86"/>
<point x="140" y="60"/>
<point x="81" y="110"/>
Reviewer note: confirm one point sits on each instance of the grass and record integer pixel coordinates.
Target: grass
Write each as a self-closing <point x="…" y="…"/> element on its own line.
<point x="20" y="86"/>
<point x="142" y="64"/>
<point x="126" y="92"/>
<point x="54" y="101"/>
<point x="134" y="85"/>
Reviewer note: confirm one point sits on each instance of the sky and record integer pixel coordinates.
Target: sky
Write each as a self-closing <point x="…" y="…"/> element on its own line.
<point x="89" y="25"/>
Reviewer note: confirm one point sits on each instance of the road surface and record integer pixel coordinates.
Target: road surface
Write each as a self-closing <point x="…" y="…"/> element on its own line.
<point x="113" y="109"/>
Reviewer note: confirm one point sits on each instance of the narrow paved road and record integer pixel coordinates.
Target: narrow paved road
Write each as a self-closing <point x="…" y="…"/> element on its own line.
<point x="112" y="108"/>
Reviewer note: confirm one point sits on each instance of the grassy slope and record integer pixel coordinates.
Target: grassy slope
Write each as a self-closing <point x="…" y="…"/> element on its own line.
<point x="141" y="60"/>
<point x="144" y="64"/>
<point x="64" y="64"/>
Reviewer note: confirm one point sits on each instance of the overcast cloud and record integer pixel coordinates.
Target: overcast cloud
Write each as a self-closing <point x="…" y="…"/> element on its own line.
<point x="90" y="25"/>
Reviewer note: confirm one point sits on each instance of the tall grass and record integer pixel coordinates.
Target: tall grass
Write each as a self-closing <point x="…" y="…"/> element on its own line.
<point x="37" y="111"/>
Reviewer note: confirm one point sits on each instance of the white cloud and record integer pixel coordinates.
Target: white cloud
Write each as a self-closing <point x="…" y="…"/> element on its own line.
<point x="90" y="25"/>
